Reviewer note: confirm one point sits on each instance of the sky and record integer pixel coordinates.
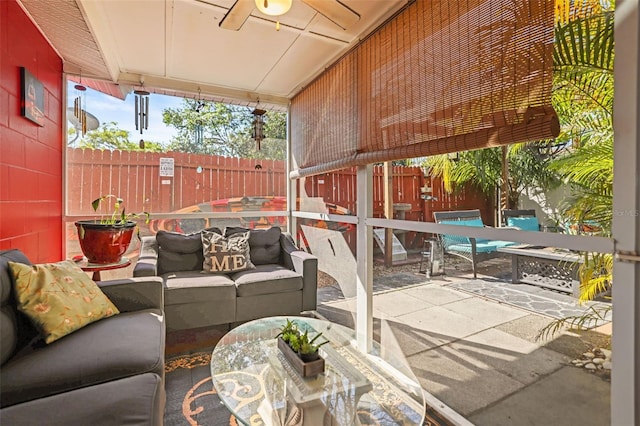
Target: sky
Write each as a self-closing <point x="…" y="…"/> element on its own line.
<point x="107" y="108"/>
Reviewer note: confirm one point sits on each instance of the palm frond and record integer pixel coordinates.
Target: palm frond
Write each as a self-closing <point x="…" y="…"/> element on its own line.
<point x="594" y="316"/>
<point x="586" y="43"/>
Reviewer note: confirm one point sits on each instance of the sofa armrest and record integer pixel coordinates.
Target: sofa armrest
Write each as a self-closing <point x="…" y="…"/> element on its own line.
<point x="134" y="294"/>
<point x="305" y="264"/>
<point x="147" y="265"/>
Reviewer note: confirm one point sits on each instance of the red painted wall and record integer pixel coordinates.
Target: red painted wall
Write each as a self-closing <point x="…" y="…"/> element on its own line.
<point x="30" y="155"/>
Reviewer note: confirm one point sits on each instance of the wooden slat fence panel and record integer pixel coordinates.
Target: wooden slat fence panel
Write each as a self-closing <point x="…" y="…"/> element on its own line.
<point x="134" y="176"/>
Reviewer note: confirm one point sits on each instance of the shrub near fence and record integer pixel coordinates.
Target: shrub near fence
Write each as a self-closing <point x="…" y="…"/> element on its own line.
<point x="135" y="176"/>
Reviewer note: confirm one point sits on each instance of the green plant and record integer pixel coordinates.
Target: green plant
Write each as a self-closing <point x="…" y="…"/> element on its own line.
<point x="119" y="215"/>
<point x="299" y="341"/>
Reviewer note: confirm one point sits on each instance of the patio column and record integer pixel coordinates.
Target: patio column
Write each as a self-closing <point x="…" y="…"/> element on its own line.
<point x="364" y="258"/>
<point x="625" y="375"/>
<point x="292" y="193"/>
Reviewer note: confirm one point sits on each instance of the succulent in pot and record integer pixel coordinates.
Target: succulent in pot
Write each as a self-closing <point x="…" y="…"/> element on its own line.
<point x="299" y="342"/>
<point x="105" y="240"/>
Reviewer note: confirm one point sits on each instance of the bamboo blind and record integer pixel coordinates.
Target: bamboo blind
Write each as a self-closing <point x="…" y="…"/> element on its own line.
<point x="441" y="76"/>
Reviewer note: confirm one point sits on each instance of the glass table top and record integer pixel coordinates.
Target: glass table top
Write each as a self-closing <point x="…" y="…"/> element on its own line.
<point x="259" y="386"/>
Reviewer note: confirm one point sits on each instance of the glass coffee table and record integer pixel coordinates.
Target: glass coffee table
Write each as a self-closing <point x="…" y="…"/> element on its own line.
<point x="259" y="386"/>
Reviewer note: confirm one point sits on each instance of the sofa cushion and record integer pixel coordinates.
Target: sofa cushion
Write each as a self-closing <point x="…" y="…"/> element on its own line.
<point x="169" y="261"/>
<point x="136" y="400"/>
<point x="179" y="243"/>
<point x="120" y="346"/>
<point x="180" y="252"/>
<point x="267" y="279"/>
<point x="191" y="287"/>
<point x="59" y="297"/>
<point x="264" y="245"/>
<point x="226" y="254"/>
<point x="16" y="330"/>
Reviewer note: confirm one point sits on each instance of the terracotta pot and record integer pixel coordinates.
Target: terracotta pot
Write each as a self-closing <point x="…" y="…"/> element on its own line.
<point x="102" y="243"/>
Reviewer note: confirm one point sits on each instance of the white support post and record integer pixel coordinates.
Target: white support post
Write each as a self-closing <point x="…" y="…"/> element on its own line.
<point x="625" y="375"/>
<point x="364" y="259"/>
<point x="292" y="193"/>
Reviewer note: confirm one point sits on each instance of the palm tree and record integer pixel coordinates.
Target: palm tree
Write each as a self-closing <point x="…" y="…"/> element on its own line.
<point x="583" y="99"/>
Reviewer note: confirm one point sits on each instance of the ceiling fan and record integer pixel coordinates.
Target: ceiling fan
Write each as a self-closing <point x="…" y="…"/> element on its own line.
<point x="334" y="10"/>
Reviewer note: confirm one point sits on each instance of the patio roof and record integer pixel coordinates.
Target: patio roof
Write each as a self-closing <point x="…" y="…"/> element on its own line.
<point x="178" y="46"/>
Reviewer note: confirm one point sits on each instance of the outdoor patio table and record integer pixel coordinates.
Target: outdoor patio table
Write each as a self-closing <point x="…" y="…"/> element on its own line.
<point x="256" y="383"/>
<point x="545" y="267"/>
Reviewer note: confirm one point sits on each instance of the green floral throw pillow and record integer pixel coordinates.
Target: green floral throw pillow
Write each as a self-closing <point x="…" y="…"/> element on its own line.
<point x="59" y="298"/>
<point x="224" y="255"/>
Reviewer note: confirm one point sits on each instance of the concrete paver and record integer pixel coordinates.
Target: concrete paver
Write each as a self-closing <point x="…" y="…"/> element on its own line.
<point x="516" y="358"/>
<point x="480" y="357"/>
<point x="442" y="324"/>
<point x="486" y="312"/>
<point x="461" y="381"/>
<point x="569" y="397"/>
<point x="399" y="303"/>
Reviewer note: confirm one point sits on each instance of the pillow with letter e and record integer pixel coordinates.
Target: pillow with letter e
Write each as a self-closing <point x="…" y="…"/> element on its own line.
<point x="226" y="254"/>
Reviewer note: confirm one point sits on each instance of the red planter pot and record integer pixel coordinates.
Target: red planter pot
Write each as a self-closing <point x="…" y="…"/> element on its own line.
<point x="103" y="243"/>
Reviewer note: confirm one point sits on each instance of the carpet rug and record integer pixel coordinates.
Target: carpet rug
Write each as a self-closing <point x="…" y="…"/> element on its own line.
<point x="192" y="399"/>
<point x="534" y="299"/>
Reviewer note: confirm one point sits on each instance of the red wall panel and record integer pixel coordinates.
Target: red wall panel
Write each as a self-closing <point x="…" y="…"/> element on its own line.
<point x="30" y="155"/>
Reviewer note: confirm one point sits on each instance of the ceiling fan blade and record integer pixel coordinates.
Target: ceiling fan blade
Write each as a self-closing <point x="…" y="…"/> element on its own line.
<point x="335" y="11"/>
<point x="237" y="15"/>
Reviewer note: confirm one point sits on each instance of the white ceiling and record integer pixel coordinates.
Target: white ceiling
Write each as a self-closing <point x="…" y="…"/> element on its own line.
<point x="177" y="45"/>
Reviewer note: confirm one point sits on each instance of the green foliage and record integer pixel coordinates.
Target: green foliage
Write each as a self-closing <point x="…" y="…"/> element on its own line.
<point x="109" y="136"/>
<point x="299" y="341"/>
<point x="119" y="216"/>
<point x="483" y="168"/>
<point x="583" y="97"/>
<point x="592" y="317"/>
<point x="221" y="129"/>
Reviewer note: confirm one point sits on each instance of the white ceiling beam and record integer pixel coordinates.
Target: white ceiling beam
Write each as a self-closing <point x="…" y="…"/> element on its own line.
<point x="205" y="89"/>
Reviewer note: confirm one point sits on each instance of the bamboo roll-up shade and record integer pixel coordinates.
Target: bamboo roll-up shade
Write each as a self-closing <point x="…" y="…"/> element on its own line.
<point x="439" y="77"/>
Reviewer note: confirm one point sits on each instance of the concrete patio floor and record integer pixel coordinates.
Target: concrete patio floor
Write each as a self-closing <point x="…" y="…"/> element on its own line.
<point x="478" y="358"/>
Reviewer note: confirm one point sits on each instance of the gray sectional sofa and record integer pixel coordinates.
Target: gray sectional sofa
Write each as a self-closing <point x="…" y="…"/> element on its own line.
<point x="283" y="282"/>
<point x="110" y="372"/>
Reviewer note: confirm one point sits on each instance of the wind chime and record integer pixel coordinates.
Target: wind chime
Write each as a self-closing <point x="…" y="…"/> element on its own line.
<point x="258" y="126"/>
<point x="142" y="110"/>
<point x="199" y="131"/>
<point x="79" y="107"/>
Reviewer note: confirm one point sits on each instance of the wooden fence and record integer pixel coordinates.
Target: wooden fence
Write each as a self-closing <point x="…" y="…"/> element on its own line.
<point x="135" y="177"/>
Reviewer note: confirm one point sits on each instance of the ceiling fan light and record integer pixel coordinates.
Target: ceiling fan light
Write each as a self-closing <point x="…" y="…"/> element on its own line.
<point x="273" y="7"/>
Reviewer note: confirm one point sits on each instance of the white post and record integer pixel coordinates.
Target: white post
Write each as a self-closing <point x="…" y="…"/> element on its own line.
<point x="625" y="375"/>
<point x="292" y="194"/>
<point x="364" y="259"/>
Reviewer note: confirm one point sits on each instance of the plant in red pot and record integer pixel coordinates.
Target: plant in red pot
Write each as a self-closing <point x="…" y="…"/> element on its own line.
<point x="105" y="240"/>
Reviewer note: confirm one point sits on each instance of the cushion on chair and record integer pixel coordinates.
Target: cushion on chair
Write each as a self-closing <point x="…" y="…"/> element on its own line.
<point x="529" y="223"/>
<point x="450" y="239"/>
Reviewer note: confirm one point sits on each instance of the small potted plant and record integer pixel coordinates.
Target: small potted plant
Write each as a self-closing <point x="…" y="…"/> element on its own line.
<point x="299" y="350"/>
<point x="105" y="240"/>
